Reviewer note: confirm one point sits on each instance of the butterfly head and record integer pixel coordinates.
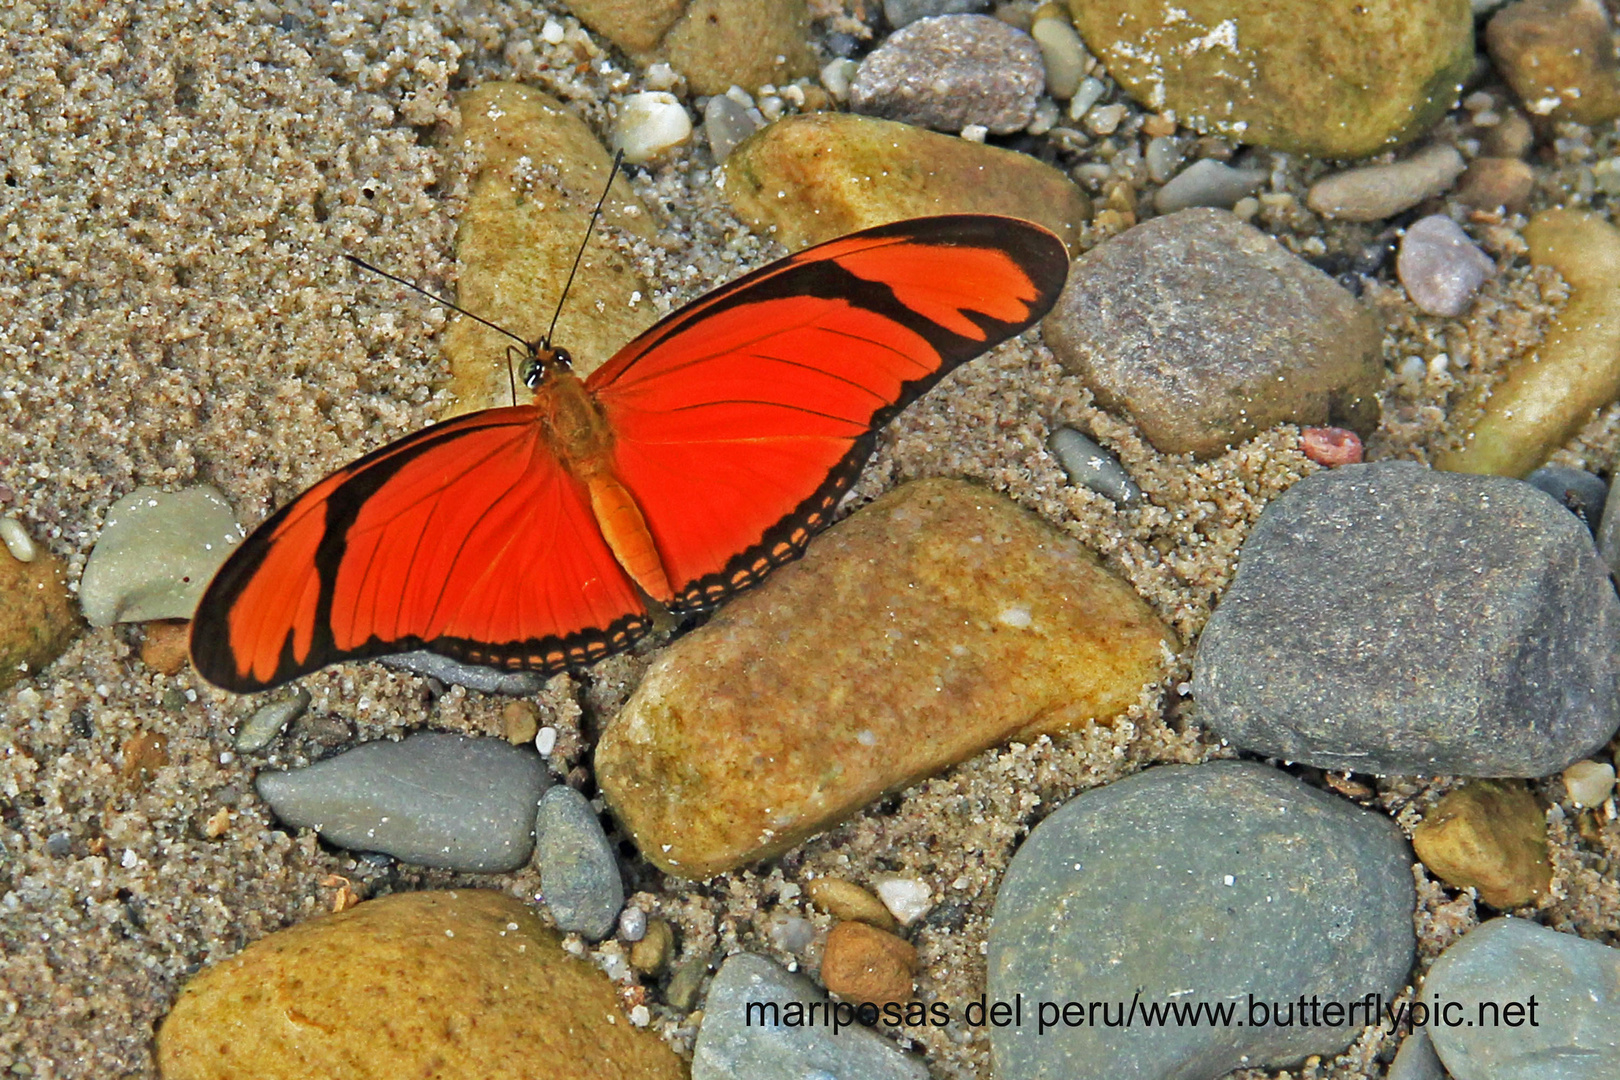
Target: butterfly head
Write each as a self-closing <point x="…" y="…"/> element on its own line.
<point x="541" y="361"/>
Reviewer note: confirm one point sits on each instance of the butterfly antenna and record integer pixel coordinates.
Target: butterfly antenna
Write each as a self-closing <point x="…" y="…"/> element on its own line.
<point x="437" y="299"/>
<point x="618" y="159"/>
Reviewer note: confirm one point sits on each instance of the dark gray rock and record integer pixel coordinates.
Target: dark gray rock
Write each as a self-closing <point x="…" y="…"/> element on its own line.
<point x="1196" y="884"/>
<point x="1205" y="331"/>
<point x="1580" y="492"/>
<point x="1388" y="618"/>
<point x="432" y="799"/>
<point x="486" y="680"/>
<point x="949" y="71"/>
<point x="1090" y="465"/>
<point x="728" y="1047"/>
<point x="579" y="876"/>
<point x="1574" y="1033"/>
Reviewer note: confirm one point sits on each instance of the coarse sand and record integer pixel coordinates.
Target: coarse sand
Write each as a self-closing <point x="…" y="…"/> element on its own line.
<point x="179" y="179"/>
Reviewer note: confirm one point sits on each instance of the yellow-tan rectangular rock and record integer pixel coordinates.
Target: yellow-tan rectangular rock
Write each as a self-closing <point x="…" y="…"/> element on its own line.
<point x="941" y="620"/>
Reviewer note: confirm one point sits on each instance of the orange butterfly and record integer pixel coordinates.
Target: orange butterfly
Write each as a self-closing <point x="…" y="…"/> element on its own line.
<point x="703" y="454"/>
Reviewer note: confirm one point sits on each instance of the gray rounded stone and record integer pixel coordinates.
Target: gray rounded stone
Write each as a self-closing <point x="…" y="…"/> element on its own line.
<point x="1206" y="331"/>
<point x="1090" y="465"/>
<point x="484" y="679"/>
<point x="1578" y="491"/>
<point x="579" y="875"/>
<point x="1528" y="1003"/>
<point x="729" y="1046"/>
<point x="949" y="71"/>
<point x="1391" y="619"/>
<point x="433" y="799"/>
<point x="267" y="722"/>
<point x="1207" y="182"/>
<point x="156" y="554"/>
<point x="1228" y="886"/>
<point x="1440" y="266"/>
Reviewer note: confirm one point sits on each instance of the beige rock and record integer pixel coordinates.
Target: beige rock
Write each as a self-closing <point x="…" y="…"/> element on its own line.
<point x="541" y="174"/>
<point x="467" y="983"/>
<point x="850" y="902"/>
<point x="714" y="43"/>
<point x="167" y="645"/>
<point x="863" y="963"/>
<point x="38" y="617"/>
<point x="520" y="722"/>
<point x="651" y="954"/>
<point x="1490" y="835"/>
<point x="932" y="624"/>
<point x="806" y="179"/>
<point x="1490" y="183"/>
<point x="1375" y="192"/>
<point x="1329" y="80"/>
<point x="1558" y="55"/>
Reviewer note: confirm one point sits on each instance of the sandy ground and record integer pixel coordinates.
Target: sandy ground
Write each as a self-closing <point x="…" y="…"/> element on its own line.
<point x="177" y="181"/>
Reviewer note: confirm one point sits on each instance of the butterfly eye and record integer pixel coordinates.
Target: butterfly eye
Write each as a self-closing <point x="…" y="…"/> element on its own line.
<point x="561" y="358"/>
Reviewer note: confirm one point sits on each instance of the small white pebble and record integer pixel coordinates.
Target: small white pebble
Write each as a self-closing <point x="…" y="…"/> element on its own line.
<point x="130" y="860"/>
<point x="552" y="32"/>
<point x="546" y="741"/>
<point x="661" y="76"/>
<point x="640" y="1016"/>
<point x="17" y="540"/>
<point x="906" y="898"/>
<point x="836" y="77"/>
<point x="632" y="924"/>
<point x="1589" y="782"/>
<point x="651" y="124"/>
<point x="975" y="132"/>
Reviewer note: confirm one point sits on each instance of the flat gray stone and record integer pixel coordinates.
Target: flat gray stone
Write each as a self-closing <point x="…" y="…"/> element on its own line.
<point x="432" y="798"/>
<point x="156" y="554"/>
<point x="948" y="71"/>
<point x="258" y="730"/>
<point x="1205" y="331"/>
<point x="1227" y="885"/>
<point x="1207" y="182"/>
<point x="1391" y="619"/>
<point x="484" y="679"/>
<point x="579" y="875"/>
<point x="729" y="1047"/>
<point x="1574" y="1031"/>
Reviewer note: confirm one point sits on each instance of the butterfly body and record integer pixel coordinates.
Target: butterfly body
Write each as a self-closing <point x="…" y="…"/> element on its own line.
<point x="699" y="457"/>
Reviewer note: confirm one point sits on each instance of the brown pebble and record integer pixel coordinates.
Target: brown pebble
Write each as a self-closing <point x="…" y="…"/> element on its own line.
<point x="1512" y="137"/>
<point x="684" y="984"/>
<point x="863" y="963"/>
<point x="1331" y="446"/>
<point x="1558" y="55"/>
<point x="651" y="954"/>
<point x="848" y="901"/>
<point x="145" y="753"/>
<point x="167" y="646"/>
<point x="520" y="722"/>
<point x="1490" y="835"/>
<point x="217" y="824"/>
<point x="1492" y="182"/>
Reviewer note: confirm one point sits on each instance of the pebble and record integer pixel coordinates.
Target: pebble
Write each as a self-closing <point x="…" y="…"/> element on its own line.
<point x="1440" y="266"/>
<point x="907" y="899"/>
<point x="1512" y="137"/>
<point x="38" y="618"/>
<point x="1416" y="1059"/>
<point x="838" y="168"/>
<point x="1495" y="970"/>
<point x="650" y="125"/>
<point x="632" y="924"/>
<point x="579" y="875"/>
<point x="1392" y="619"/>
<point x="1196" y="883"/>
<point x="269" y="719"/>
<point x="1162" y="156"/>
<point x="1496" y="183"/>
<point x="486" y="680"/>
<point x="862" y="963"/>
<point x="728" y="1046"/>
<point x="1091" y="466"/>
<point x="1589" y="783"/>
<point x="520" y="722"/>
<point x="939" y="620"/>
<point x="650" y="955"/>
<point x="848" y="901"/>
<point x="789" y="932"/>
<point x="400" y="985"/>
<point x="156" y="554"/>
<point x="166" y="645"/>
<point x="15" y="536"/>
<point x="1578" y="491"/>
<point x="1488" y="835"/>
<point x="1546" y="396"/>
<point x="1558" y="55"/>
<point x="520" y="232"/>
<point x="1207" y="182"/>
<point x="637" y="26"/>
<point x="715" y="45"/>
<point x="1252" y="72"/>
<point x="900" y="13"/>
<point x="1376" y="192"/>
<point x="948" y="71"/>
<point x="726" y="124"/>
<point x="1205" y="331"/>
<point x="1330" y="446"/>
<point x="432" y="799"/>
<point x="836" y="77"/>
<point x="1063" y="54"/>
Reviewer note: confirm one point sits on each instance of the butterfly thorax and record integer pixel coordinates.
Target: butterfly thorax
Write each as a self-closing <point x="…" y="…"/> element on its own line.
<point x="573" y="426"/>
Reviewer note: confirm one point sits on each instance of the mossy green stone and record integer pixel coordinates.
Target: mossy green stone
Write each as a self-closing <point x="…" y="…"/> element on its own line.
<point x="1335" y="80"/>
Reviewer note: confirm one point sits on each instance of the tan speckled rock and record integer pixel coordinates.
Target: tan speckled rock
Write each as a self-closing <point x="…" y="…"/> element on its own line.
<point x="934" y="623"/>
<point x="1329" y="80"/>
<point x="468" y="983"/>
<point x="1558" y="55"/>
<point x="714" y="43"/>
<point x="850" y="902"/>
<point x="38" y="617"/>
<point x="805" y="179"/>
<point x="1491" y="835"/>
<point x="542" y="172"/>
<point x="863" y="963"/>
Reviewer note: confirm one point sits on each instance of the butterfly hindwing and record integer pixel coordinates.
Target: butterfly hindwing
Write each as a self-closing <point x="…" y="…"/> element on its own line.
<point x="740" y="421"/>
<point x="467" y="538"/>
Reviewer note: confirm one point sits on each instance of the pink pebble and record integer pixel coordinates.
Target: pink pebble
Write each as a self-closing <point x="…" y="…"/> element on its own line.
<point x="1331" y="446"/>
